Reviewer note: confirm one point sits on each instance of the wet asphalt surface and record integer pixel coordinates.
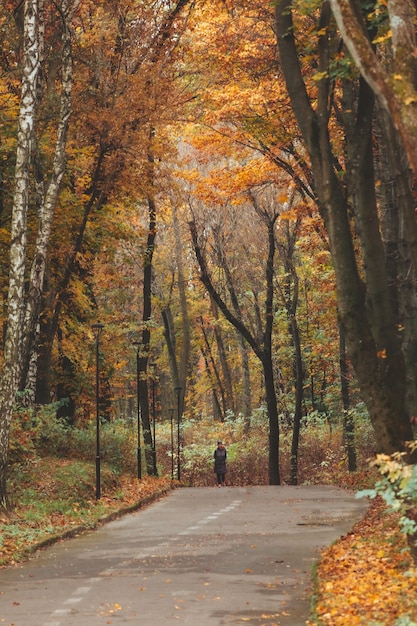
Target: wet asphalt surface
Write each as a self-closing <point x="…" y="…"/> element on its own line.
<point x="197" y="557"/>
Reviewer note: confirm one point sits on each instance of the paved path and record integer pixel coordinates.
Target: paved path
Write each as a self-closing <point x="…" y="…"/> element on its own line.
<point x="198" y="557"/>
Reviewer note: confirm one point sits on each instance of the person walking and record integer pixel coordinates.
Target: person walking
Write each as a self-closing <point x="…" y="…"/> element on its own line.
<point x="220" y="465"/>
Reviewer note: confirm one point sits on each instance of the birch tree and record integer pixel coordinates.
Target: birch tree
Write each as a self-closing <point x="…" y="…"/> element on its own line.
<point x="48" y="195"/>
<point x="9" y="383"/>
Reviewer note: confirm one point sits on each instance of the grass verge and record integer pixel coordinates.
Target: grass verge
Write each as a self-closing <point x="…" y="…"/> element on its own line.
<point x="55" y="498"/>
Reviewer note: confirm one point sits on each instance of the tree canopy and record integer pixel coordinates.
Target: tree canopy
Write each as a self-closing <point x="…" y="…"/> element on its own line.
<point x="229" y="186"/>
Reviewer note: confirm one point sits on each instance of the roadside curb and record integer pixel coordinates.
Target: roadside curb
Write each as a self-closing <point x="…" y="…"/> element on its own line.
<point x="78" y="530"/>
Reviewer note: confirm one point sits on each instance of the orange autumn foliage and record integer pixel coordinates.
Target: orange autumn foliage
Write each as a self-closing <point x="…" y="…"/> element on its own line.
<point x="368" y="576"/>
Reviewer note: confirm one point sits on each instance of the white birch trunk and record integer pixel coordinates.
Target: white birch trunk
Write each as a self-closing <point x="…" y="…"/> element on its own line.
<point x="47" y="209"/>
<point x="12" y="351"/>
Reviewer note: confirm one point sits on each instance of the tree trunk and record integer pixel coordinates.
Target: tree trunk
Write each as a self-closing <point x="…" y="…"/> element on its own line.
<point x="213" y="373"/>
<point x="46" y="213"/>
<point x="146" y="337"/>
<point x="170" y="340"/>
<point x="364" y="312"/>
<point x="56" y="300"/>
<point x="185" y="322"/>
<point x="396" y="204"/>
<point x="247" y="406"/>
<point x="273" y="419"/>
<point x="398" y="97"/>
<point x="226" y="378"/>
<point x="263" y="348"/>
<point x="246" y="384"/>
<point x="289" y="293"/>
<point x="13" y="342"/>
<point x="178" y="362"/>
<point x="348" y="423"/>
<point x="299" y="396"/>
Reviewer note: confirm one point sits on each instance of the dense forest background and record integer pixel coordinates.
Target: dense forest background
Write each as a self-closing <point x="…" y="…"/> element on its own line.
<point x="228" y="188"/>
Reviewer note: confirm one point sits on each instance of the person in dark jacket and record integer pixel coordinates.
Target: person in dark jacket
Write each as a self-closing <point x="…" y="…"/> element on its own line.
<point x="220" y="466"/>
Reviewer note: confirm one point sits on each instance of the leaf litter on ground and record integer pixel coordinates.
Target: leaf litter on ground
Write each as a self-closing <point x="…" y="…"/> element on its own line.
<point x="57" y="497"/>
<point x="368" y="577"/>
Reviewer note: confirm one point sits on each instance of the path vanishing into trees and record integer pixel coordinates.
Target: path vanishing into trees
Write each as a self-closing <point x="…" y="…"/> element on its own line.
<point x="203" y="556"/>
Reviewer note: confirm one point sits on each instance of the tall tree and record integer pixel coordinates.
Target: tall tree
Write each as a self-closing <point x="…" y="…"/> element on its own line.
<point x="47" y="192"/>
<point x="261" y="339"/>
<point x="123" y="57"/>
<point x="289" y="291"/>
<point x="364" y="306"/>
<point x="178" y="352"/>
<point x="394" y="83"/>
<point x="18" y="249"/>
<point x="144" y="350"/>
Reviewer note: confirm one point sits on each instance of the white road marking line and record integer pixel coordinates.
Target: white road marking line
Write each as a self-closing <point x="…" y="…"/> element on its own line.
<point x="146" y="552"/>
<point x="82" y="590"/>
<point x="72" y="600"/>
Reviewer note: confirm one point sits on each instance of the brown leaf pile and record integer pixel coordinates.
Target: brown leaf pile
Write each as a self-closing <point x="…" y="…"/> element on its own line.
<point x="368" y="577"/>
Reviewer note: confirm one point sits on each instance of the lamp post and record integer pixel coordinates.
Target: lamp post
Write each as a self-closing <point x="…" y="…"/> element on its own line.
<point x="97" y="328"/>
<point x="152" y="372"/>
<point x="171" y="411"/>
<point x="139" y="452"/>
<point x="178" y="392"/>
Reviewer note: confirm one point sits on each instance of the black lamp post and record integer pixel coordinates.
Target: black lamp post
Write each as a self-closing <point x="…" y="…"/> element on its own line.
<point x="97" y="328"/>
<point x="178" y="392"/>
<point x="139" y="452"/>
<point x="155" y="470"/>
<point x="171" y="411"/>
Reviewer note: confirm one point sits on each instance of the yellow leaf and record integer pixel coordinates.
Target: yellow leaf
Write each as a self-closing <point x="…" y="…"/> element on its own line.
<point x="382" y="38"/>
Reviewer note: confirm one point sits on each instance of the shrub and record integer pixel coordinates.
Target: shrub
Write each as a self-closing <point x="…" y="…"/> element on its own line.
<point x="37" y="431"/>
<point x="398" y="488"/>
<point x="322" y="457"/>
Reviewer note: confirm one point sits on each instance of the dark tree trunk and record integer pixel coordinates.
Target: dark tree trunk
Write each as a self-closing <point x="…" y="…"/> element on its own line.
<point x="364" y="309"/>
<point x="246" y="407"/>
<point x="146" y="338"/>
<point x="271" y="403"/>
<point x="213" y="373"/>
<point x="289" y="293"/>
<point x="170" y="340"/>
<point x="225" y="369"/>
<point x="52" y="305"/>
<point x="299" y="396"/>
<point x="348" y="423"/>
<point x="400" y="242"/>
<point x="263" y="348"/>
